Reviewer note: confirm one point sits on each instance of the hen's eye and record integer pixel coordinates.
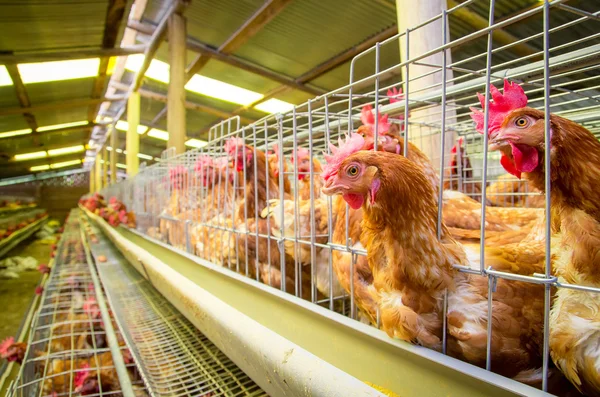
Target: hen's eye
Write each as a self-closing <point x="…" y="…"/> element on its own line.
<point x="522" y="122"/>
<point x="353" y="170"/>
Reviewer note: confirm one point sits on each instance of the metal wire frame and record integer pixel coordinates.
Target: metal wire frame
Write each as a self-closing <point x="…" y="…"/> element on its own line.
<point x="176" y="359"/>
<point x="64" y="336"/>
<point x="557" y="78"/>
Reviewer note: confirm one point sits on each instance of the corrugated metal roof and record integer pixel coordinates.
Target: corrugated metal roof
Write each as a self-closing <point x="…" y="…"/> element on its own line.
<point x="211" y="22"/>
<point x="307" y="33"/>
<point x="59" y="90"/>
<point x="12" y="122"/>
<point x="34" y="25"/>
<point x="51" y="117"/>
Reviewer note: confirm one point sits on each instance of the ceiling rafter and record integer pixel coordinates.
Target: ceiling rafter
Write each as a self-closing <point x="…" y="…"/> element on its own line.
<point x="157" y="37"/>
<point x="265" y="14"/>
<point x="501" y="36"/>
<point x="22" y="96"/>
<point x="112" y="23"/>
<point x="321" y="69"/>
<point x="196" y="46"/>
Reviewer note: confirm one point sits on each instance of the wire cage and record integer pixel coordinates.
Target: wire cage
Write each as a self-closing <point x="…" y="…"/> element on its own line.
<point x="175" y="358"/>
<point x="68" y="350"/>
<point x="251" y="199"/>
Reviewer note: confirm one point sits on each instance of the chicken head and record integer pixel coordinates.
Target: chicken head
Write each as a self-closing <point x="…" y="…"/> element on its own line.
<point x="514" y="129"/>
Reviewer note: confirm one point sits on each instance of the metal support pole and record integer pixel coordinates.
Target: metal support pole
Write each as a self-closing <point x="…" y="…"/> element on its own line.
<point x="176" y="97"/>
<point x="92" y="179"/>
<point x="104" y="167"/>
<point x="133" y="139"/>
<point x="113" y="156"/>
<point x="98" y="172"/>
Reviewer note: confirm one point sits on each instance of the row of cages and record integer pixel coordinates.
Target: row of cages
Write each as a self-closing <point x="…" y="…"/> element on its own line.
<point x="10" y="202"/>
<point x="67" y="352"/>
<point x="427" y="255"/>
<point x="14" y="221"/>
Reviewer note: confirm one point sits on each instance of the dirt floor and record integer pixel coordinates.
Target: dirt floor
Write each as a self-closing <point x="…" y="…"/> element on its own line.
<point x="16" y="294"/>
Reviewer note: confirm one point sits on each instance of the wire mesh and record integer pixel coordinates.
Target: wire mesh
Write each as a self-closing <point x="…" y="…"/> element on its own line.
<point x="67" y="352"/>
<point x="251" y="199"/>
<point x="176" y="359"/>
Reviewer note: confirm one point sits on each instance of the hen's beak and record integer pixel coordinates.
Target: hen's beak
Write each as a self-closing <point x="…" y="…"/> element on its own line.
<point x="498" y="142"/>
<point x="333" y="186"/>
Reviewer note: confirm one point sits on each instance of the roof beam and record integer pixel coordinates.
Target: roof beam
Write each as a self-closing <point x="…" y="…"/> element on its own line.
<point x="501" y="36"/>
<point x="265" y="14"/>
<point x="328" y="65"/>
<point x="56" y="105"/>
<point x="157" y="37"/>
<point x="188" y="105"/>
<point x="323" y="68"/>
<point x="209" y="51"/>
<point x="112" y="22"/>
<point x="10" y="59"/>
<point x="269" y="10"/>
<point x="22" y="96"/>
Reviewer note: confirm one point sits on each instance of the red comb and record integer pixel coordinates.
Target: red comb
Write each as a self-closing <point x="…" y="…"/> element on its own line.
<point x="353" y="144"/>
<point x="82" y="375"/>
<point x="368" y="119"/>
<point x="301" y="153"/>
<point x="5" y="345"/>
<point x="395" y="95"/>
<point x="459" y="142"/>
<point x="275" y="151"/>
<point x="232" y="144"/>
<point x="43" y="268"/>
<point x="204" y="161"/>
<point x="500" y="105"/>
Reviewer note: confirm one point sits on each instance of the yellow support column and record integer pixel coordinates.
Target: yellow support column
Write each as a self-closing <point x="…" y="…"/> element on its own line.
<point x="92" y="179"/>
<point x="98" y="167"/>
<point x="104" y="166"/>
<point x="176" y="98"/>
<point x="132" y="143"/>
<point x="113" y="155"/>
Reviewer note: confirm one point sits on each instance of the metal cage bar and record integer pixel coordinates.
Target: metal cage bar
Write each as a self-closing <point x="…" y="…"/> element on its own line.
<point x="236" y="203"/>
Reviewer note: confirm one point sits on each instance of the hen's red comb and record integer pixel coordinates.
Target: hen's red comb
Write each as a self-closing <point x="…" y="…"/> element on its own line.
<point x="368" y="119"/>
<point x="500" y="105"/>
<point x="395" y="95"/>
<point x="204" y="161"/>
<point x="82" y="375"/>
<point x="275" y="151"/>
<point x="459" y="142"/>
<point x="353" y="144"/>
<point x="232" y="144"/>
<point x="301" y="153"/>
<point x="5" y="345"/>
<point x="177" y="171"/>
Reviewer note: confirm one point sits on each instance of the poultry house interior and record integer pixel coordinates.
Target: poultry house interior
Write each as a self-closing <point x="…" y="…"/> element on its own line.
<point x="300" y="197"/>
